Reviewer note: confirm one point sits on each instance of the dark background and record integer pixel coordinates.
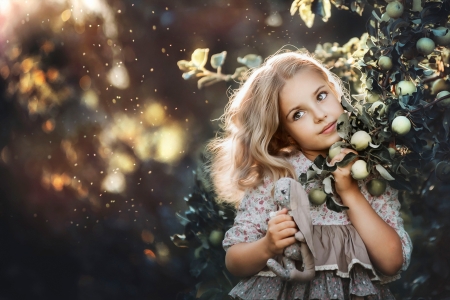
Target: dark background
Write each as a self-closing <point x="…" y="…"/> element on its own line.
<point x="64" y="232"/>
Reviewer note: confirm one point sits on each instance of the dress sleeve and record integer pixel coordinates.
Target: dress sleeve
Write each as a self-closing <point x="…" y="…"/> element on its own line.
<point x="250" y="223"/>
<point x="387" y="207"/>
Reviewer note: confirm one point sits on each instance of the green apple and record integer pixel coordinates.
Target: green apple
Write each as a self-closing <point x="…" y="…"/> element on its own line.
<point x="216" y="237"/>
<point x="442" y="40"/>
<point x="376" y="187"/>
<point x="401" y="125"/>
<point x="360" y="140"/>
<point x="380" y="106"/>
<point x="405" y="87"/>
<point x="394" y="9"/>
<point x="425" y="46"/>
<point x="445" y="102"/>
<point x="317" y="196"/>
<point x="385" y="63"/>
<point x="439" y="86"/>
<point x="385" y="17"/>
<point x="359" y="170"/>
<point x="334" y="151"/>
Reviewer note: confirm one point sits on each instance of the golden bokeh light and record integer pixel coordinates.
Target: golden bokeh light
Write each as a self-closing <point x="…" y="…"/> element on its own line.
<point x="85" y="82"/>
<point x="4" y="72"/>
<point x="70" y="152"/>
<point x="154" y="114"/>
<point x="52" y="74"/>
<point x="147" y="236"/>
<point x="114" y="183"/>
<point x="48" y="126"/>
<point x="149" y="254"/>
<point x="170" y="143"/>
<point x="90" y="99"/>
<point x="118" y="77"/>
<point x="65" y="16"/>
<point x="122" y="162"/>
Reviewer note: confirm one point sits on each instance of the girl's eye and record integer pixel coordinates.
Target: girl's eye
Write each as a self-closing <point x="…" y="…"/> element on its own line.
<point x="322" y="96"/>
<point x="298" y="115"/>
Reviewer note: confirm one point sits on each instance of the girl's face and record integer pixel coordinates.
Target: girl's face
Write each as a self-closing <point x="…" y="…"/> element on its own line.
<point x="309" y="111"/>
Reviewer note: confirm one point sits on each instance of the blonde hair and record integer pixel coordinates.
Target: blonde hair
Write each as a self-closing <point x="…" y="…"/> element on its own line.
<point x="253" y="143"/>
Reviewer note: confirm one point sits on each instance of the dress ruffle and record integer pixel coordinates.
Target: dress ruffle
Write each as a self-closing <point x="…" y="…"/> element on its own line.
<point x="343" y="268"/>
<point x="326" y="285"/>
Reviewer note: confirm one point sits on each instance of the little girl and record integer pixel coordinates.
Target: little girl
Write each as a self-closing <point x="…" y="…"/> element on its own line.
<point x="275" y="125"/>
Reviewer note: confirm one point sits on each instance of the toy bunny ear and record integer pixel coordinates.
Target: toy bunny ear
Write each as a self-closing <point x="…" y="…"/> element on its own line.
<point x="300" y="212"/>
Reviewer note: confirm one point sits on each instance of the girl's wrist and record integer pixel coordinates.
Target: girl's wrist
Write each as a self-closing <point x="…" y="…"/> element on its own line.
<point x="350" y="193"/>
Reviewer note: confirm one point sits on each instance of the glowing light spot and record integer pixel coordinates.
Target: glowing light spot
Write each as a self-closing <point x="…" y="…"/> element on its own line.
<point x="48" y="126"/>
<point x="38" y="77"/>
<point x="274" y="20"/>
<point x="90" y="99"/>
<point x="149" y="254"/>
<point x="122" y="161"/>
<point x="170" y="143"/>
<point x="4" y="71"/>
<point x="147" y="236"/>
<point x="163" y="253"/>
<point x="52" y="74"/>
<point x="114" y="183"/>
<point x="85" y="82"/>
<point x="154" y="114"/>
<point x="26" y="65"/>
<point x="66" y="15"/>
<point x="118" y="77"/>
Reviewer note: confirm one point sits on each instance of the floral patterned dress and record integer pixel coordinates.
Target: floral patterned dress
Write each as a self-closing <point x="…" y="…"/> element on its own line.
<point x="331" y="281"/>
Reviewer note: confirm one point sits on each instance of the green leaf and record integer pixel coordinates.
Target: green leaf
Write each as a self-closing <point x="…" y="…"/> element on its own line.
<point x="250" y="60"/>
<point x="180" y="240"/>
<point x="334" y="206"/>
<point x="218" y="59"/>
<point x="327" y="185"/>
<point x="185" y="65"/>
<point x="239" y="73"/>
<point x="183" y="221"/>
<point x="199" y="57"/>
<point x="383" y="172"/>
<point x="439" y="32"/>
<point x="188" y="75"/>
<point x="349" y="157"/>
<point x="343" y="126"/>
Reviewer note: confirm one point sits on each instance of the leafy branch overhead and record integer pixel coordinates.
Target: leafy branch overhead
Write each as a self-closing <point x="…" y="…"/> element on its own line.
<point x="196" y="67"/>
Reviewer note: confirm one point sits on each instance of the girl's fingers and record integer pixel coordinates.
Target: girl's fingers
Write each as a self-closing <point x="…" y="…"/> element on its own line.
<point x="287" y="242"/>
<point x="282" y="211"/>
<point x="281" y="218"/>
<point x="341" y="155"/>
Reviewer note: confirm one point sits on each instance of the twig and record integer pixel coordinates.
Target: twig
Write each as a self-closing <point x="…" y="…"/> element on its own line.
<point x="428" y="105"/>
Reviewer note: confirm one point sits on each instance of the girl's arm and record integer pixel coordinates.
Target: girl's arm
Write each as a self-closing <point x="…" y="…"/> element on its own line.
<point x="382" y="241"/>
<point x="247" y="259"/>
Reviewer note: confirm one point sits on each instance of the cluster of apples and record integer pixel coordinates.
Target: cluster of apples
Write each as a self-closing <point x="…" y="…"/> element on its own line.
<point x="360" y="140"/>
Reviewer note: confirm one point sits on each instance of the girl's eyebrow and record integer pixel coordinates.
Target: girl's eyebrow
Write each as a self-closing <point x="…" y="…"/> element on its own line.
<point x="314" y="93"/>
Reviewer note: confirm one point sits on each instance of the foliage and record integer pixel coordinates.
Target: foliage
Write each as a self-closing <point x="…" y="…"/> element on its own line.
<point x="196" y="67"/>
<point x="205" y="223"/>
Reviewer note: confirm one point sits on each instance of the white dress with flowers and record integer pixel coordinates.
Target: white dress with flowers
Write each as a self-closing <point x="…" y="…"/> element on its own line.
<point x="332" y="281"/>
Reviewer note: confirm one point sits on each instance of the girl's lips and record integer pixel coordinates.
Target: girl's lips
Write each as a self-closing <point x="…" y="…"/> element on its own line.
<point x="330" y="128"/>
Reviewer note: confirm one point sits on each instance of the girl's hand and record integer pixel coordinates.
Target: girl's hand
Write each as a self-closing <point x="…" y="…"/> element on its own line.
<point x="344" y="181"/>
<point x="280" y="232"/>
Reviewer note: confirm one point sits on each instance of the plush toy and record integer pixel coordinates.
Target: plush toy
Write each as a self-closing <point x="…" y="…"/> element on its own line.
<point x="291" y="195"/>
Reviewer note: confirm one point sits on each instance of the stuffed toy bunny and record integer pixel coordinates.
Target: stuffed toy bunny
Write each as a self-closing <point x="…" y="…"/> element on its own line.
<point x="291" y="195"/>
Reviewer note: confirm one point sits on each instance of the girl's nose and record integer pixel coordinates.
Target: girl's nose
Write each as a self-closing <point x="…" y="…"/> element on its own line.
<point x="319" y="114"/>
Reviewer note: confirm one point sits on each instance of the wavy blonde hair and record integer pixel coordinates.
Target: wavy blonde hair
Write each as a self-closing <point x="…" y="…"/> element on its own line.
<point x="253" y="143"/>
